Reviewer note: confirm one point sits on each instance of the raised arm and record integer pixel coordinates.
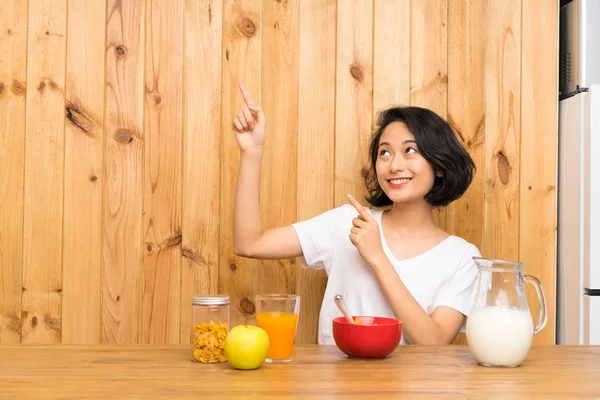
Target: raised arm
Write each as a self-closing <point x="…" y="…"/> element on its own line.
<point x="249" y="238"/>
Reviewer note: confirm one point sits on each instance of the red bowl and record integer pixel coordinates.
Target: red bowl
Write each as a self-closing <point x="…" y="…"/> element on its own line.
<point x="367" y="340"/>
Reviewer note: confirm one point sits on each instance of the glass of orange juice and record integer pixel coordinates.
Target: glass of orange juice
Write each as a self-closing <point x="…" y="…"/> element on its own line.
<point x="277" y="314"/>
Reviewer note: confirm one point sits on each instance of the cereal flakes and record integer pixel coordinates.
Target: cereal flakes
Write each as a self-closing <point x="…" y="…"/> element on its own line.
<point x="208" y="342"/>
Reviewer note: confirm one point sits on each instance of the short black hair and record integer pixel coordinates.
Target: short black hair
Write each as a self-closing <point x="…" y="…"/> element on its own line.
<point x="437" y="143"/>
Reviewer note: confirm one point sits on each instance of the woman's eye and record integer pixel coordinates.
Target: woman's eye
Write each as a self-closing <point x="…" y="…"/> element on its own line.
<point x="410" y="150"/>
<point x="384" y="153"/>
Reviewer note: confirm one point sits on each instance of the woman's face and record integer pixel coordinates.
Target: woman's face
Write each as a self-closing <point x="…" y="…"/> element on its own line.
<point x="402" y="172"/>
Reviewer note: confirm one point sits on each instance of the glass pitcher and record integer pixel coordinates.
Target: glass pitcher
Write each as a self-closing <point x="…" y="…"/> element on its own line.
<point x="500" y="327"/>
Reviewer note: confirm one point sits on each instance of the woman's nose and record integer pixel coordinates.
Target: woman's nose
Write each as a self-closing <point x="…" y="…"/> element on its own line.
<point x="397" y="164"/>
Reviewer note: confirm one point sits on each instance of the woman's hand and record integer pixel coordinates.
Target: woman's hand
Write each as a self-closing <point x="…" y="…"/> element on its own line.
<point x="249" y="125"/>
<point x="365" y="235"/>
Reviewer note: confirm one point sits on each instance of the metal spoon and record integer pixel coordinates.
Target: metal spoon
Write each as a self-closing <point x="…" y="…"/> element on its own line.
<point x="339" y="300"/>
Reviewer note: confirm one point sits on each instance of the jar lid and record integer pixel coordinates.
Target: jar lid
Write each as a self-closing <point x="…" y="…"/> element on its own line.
<point x="212" y="300"/>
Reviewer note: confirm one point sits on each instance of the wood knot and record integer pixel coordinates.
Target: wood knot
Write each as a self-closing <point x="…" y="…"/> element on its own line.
<point x="118" y="298"/>
<point x="172" y="241"/>
<point x="52" y="323"/>
<point x="232" y="266"/>
<point x="34" y="322"/>
<point x="9" y="32"/>
<point x="503" y="168"/>
<point x="157" y="99"/>
<point x="15" y="325"/>
<point x="248" y="27"/>
<point x="2" y="87"/>
<point x="122" y="136"/>
<point x="194" y="256"/>
<point x="357" y="72"/>
<point x="18" y="88"/>
<point x="120" y="51"/>
<point x="77" y="118"/>
<point x="480" y="130"/>
<point x="454" y="126"/>
<point x="47" y="83"/>
<point x="149" y="248"/>
<point x="442" y="77"/>
<point x="227" y="54"/>
<point x="247" y="306"/>
<point x="47" y="33"/>
<point x="93" y="178"/>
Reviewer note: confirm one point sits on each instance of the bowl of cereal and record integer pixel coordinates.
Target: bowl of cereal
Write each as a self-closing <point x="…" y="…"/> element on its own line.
<point x="367" y="337"/>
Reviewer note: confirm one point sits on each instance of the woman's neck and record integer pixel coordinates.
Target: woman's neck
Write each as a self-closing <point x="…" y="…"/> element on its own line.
<point x="414" y="217"/>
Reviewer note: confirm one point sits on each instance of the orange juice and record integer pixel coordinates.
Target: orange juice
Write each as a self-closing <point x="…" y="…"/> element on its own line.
<point x="281" y="328"/>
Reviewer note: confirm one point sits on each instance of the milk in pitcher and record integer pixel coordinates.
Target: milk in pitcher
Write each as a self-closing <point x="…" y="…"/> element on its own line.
<point x="499" y="327"/>
<point x="499" y="336"/>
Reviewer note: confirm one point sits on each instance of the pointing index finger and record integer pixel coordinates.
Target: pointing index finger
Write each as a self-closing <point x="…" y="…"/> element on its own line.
<point x="361" y="210"/>
<point x="246" y="95"/>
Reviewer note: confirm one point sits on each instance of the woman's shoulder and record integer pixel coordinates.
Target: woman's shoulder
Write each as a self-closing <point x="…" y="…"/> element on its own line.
<point x="347" y="211"/>
<point x="461" y="247"/>
<point x="335" y="215"/>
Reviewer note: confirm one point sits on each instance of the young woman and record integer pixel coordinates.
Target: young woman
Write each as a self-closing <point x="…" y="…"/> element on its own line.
<point x="393" y="263"/>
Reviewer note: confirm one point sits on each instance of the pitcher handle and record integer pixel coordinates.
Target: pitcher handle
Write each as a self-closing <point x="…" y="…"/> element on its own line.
<point x="543" y="318"/>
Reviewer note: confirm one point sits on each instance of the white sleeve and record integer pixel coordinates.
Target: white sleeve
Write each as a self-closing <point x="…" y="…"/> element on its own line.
<point x="316" y="237"/>
<point x="459" y="294"/>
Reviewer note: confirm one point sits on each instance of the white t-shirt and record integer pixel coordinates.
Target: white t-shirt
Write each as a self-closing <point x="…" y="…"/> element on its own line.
<point x="445" y="275"/>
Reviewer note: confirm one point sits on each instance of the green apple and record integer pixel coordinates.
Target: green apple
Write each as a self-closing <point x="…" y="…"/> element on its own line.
<point x="246" y="347"/>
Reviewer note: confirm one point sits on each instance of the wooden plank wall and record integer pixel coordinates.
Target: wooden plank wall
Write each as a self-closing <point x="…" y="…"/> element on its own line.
<point x="118" y="162"/>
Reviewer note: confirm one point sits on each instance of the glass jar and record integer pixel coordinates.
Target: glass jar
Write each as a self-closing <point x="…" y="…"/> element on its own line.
<point x="210" y="325"/>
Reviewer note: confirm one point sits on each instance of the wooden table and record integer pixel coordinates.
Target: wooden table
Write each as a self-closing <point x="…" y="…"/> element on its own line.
<point x="317" y="372"/>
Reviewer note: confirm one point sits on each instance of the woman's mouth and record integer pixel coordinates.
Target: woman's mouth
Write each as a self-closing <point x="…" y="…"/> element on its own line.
<point x="398" y="182"/>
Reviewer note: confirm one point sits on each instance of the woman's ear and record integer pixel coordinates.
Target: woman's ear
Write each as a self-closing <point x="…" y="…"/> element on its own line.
<point x="439" y="173"/>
